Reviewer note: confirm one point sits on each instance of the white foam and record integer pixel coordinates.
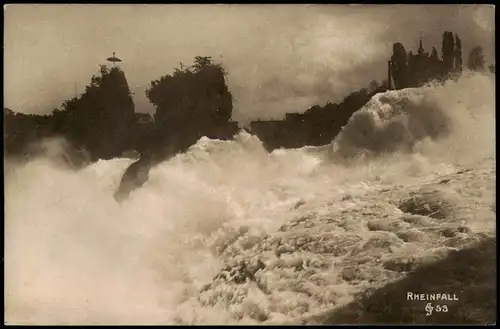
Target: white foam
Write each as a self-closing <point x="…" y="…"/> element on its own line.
<point x="73" y="255"/>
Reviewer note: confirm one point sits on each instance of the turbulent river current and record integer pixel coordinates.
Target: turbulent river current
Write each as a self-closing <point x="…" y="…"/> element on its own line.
<point x="229" y="233"/>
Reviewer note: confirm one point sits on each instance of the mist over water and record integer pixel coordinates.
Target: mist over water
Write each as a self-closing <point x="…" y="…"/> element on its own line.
<point x="74" y="255"/>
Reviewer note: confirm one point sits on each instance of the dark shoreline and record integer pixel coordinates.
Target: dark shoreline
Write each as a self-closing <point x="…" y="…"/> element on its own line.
<point x="470" y="273"/>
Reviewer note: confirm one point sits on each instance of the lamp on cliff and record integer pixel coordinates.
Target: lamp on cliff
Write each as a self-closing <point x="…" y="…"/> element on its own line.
<point x="114" y="59"/>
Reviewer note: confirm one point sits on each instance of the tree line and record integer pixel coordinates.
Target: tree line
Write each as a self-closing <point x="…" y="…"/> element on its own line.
<point x="320" y="124"/>
<point x="195" y="101"/>
<point x="192" y="102"/>
<point x="414" y="70"/>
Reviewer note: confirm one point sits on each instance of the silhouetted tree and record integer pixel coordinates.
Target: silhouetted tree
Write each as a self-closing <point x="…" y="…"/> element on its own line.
<point x="411" y="72"/>
<point x="492" y="68"/>
<point x="373" y="86"/>
<point x="320" y="124"/>
<point x="458" y="54"/>
<point x="448" y="52"/>
<point x="434" y="65"/>
<point x="434" y="54"/>
<point x="7" y="113"/>
<point x="399" y="66"/>
<point x="101" y="120"/>
<point x="201" y="63"/>
<point x="191" y="103"/>
<point x="194" y="101"/>
<point x="476" y="59"/>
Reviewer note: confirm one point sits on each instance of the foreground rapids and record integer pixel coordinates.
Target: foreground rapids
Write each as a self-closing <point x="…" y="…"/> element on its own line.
<point x="402" y="201"/>
<point x="323" y="266"/>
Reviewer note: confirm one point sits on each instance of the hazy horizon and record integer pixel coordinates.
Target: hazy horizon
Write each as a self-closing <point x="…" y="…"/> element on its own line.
<point x="279" y="58"/>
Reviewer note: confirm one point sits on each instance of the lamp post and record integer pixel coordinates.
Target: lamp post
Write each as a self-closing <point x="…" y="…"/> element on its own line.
<point x="114" y="59"/>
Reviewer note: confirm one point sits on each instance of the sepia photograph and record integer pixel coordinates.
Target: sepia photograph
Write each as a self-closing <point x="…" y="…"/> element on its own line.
<point x="249" y="164"/>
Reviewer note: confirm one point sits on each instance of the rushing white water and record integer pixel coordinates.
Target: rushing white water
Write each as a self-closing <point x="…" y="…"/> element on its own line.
<point x="73" y="255"/>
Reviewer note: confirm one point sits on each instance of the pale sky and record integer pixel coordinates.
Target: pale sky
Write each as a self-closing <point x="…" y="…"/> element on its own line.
<point x="279" y="58"/>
